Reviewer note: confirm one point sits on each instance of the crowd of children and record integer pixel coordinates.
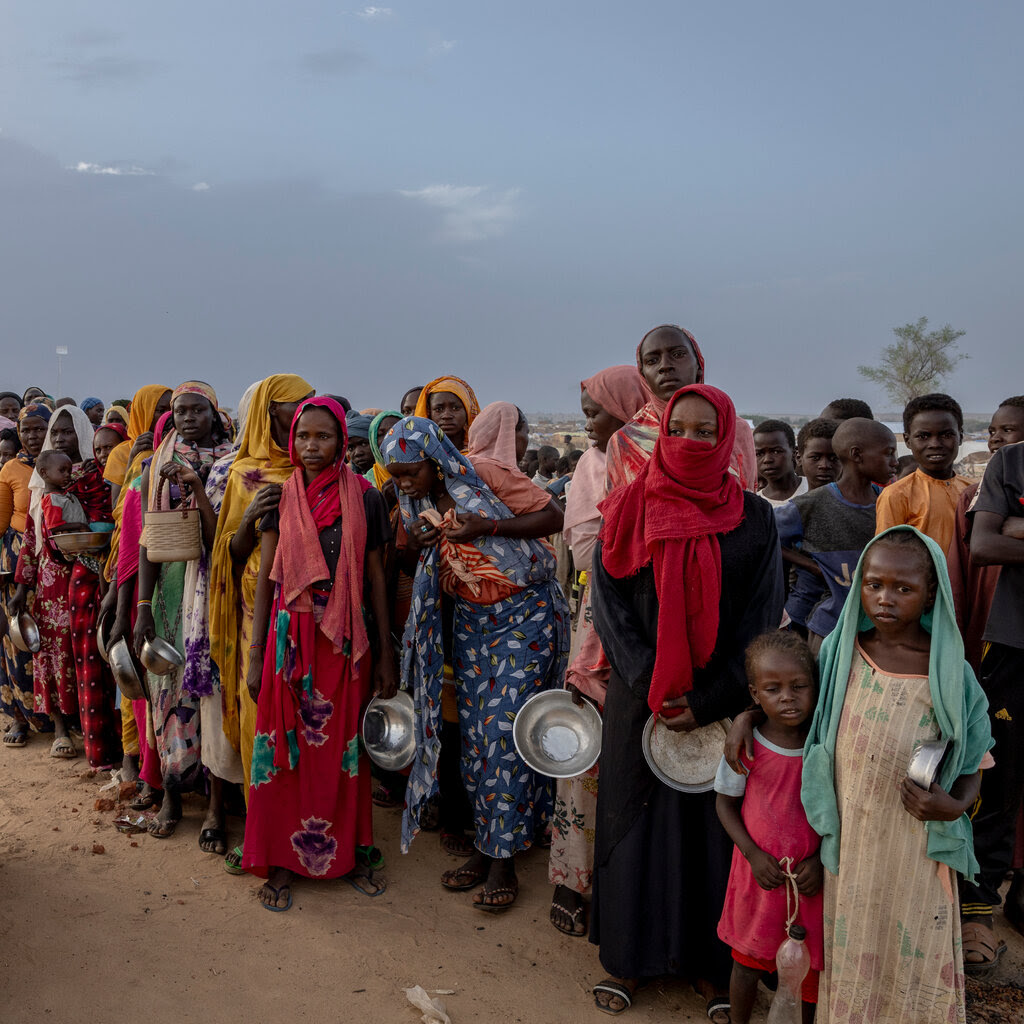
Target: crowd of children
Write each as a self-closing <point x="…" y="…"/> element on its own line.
<point x="841" y="610"/>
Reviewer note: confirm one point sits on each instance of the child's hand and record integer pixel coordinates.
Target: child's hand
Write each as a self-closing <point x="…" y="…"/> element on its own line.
<point x="765" y="869"/>
<point x="809" y="875"/>
<point x="933" y="804"/>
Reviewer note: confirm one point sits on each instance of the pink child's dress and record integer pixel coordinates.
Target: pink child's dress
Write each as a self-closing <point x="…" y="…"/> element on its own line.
<point x="753" y="920"/>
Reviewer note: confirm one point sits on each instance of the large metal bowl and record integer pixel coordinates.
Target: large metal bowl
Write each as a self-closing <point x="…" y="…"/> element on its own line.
<point x="160" y="656"/>
<point x="131" y="681"/>
<point x="686" y="761"/>
<point x="24" y="632"/>
<point x="557" y="737"/>
<point x="926" y="762"/>
<point x="86" y="540"/>
<point x="389" y="733"/>
<point x="103" y="636"/>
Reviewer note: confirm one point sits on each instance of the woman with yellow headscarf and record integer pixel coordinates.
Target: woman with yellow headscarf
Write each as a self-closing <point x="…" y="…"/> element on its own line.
<point x="451" y="403"/>
<point x="148" y="405"/>
<point x="253" y="488"/>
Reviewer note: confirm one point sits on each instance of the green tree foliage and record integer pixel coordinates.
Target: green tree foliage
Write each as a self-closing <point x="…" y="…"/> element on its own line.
<point x="916" y="363"/>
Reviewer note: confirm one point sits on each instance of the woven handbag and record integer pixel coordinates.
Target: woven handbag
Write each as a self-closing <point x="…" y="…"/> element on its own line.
<point x="171" y="535"/>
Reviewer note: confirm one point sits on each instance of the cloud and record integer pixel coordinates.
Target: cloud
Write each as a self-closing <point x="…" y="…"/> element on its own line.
<point x="200" y="186"/>
<point x="333" y="62"/>
<point x="443" y="47"/>
<point x="109" y="70"/>
<point x="371" y="13"/>
<point x="470" y="213"/>
<point x="127" y="170"/>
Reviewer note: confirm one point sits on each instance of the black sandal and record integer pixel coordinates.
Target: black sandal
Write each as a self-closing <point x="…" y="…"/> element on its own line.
<point x="214" y="836"/>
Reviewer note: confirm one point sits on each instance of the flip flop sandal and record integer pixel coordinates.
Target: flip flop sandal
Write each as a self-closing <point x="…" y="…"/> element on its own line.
<point x="480" y="899"/>
<point x="472" y="879"/>
<point x="233" y="862"/>
<point x="979" y="938"/>
<point x="157" y="828"/>
<point x="370" y="856"/>
<point x="719" y="1004"/>
<point x="456" y="844"/>
<point x="383" y="797"/>
<point x="15" y="739"/>
<point x="354" y="878"/>
<point x="619" y="991"/>
<point x="575" y="916"/>
<point x="144" y="802"/>
<point x="277" y="896"/>
<point x="63" y="748"/>
<point x="213" y="835"/>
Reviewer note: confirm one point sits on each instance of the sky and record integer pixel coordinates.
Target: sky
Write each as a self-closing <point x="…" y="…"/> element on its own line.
<point x="515" y="193"/>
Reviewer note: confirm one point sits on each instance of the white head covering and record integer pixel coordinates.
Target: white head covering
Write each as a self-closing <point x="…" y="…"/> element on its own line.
<point x="85" y="431"/>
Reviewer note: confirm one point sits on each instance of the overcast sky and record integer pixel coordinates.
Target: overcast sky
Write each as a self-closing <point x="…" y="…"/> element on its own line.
<point x="513" y="192"/>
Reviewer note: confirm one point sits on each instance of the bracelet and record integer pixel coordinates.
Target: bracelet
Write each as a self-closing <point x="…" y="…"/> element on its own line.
<point x="139" y="604"/>
<point x="258" y="643"/>
<point x="494" y="529"/>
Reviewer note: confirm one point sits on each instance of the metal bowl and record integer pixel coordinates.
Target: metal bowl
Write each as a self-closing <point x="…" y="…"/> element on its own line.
<point x="160" y="656"/>
<point x="687" y="761"/>
<point x="24" y="632"/>
<point x="130" y="680"/>
<point x="86" y="540"/>
<point x="557" y="737"/>
<point x="389" y="733"/>
<point x="926" y="762"/>
<point x="103" y="636"/>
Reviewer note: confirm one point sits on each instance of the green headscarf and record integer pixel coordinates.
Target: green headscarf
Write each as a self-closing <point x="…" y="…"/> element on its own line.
<point x="377" y="474"/>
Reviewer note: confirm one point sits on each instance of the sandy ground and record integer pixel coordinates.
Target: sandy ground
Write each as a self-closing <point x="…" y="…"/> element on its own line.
<point x="155" y="930"/>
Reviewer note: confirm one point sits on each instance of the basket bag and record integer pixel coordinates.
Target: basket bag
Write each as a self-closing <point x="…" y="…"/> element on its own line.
<point x="171" y="535"/>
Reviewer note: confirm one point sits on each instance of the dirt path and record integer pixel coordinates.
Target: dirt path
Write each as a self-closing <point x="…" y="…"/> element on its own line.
<point x="155" y="930"/>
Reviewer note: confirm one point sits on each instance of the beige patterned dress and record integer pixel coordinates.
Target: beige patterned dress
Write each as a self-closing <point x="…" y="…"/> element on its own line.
<point x="892" y="926"/>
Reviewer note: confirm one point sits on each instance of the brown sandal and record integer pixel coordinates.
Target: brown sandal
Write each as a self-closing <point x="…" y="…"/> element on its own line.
<point x="482" y="899"/>
<point x="461" y="879"/>
<point x="981" y="940"/>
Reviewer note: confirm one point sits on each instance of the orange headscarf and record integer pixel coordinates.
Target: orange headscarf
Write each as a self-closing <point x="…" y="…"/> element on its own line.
<point x="456" y="386"/>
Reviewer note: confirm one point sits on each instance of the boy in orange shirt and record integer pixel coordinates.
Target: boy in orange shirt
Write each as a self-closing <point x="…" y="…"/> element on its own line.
<point x="933" y="428"/>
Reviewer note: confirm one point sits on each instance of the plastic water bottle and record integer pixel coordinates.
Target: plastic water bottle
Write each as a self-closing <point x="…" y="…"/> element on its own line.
<point x="792" y="961"/>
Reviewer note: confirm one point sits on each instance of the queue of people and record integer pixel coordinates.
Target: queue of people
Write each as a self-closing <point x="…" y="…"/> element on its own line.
<point x="830" y="608"/>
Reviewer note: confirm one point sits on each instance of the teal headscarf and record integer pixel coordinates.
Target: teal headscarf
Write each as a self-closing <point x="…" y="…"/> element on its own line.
<point x="960" y="706"/>
<point x="377" y="474"/>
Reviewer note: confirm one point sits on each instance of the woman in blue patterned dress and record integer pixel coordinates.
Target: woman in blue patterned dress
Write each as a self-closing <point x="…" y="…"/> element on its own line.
<point x="478" y="532"/>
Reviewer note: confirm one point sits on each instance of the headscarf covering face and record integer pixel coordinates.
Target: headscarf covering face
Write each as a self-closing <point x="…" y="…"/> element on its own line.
<point x="659" y="403"/>
<point x="669" y="517"/>
<point x="90" y="403"/>
<point x="960" y="706"/>
<point x="85" y="431"/>
<point x="620" y="390"/>
<point x="259" y="461"/>
<point x="456" y="386"/>
<point x="380" y="475"/>
<point x="493" y="434"/>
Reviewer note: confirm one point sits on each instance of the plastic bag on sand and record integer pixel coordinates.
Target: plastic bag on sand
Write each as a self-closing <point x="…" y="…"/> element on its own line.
<point x="433" y="1009"/>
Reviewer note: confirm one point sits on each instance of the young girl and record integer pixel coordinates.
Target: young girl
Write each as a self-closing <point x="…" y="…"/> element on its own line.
<point x="892" y="676"/>
<point x="320" y="563"/>
<point x="762" y="812"/>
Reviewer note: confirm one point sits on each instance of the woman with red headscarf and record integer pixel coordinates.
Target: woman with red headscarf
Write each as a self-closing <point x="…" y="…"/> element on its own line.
<point x="686" y="573"/>
<point x="313" y="664"/>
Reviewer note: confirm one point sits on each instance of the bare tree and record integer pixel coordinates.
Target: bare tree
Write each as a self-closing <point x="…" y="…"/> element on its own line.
<point x="917" y="362"/>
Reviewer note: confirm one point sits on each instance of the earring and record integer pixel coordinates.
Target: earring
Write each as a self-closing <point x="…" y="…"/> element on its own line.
<point x="440" y="472"/>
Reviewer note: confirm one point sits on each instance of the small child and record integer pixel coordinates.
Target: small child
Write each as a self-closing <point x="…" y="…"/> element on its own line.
<point x="824" y="531"/>
<point x="10" y="445"/>
<point x="762" y="813"/>
<point x="840" y="409"/>
<point x="933" y="427"/>
<point x="62" y="512"/>
<point x="775" y="451"/>
<point x="814" y="455"/>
